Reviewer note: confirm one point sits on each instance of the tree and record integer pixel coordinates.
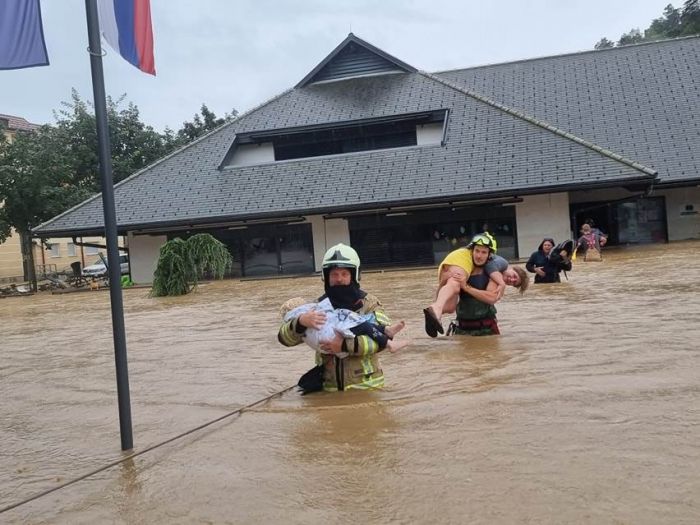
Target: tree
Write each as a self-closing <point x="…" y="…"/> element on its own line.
<point x="183" y="262"/>
<point x="42" y="174"/>
<point x="634" y="36"/>
<point x="672" y="24"/>
<point x="134" y="144"/>
<point x="48" y="171"/>
<point x="690" y="18"/>
<point x="604" y="43"/>
<point x="667" y="26"/>
<point x="202" y="124"/>
<point x="35" y="185"/>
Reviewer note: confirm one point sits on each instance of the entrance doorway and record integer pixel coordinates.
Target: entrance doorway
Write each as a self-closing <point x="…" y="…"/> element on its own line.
<point x="638" y="221"/>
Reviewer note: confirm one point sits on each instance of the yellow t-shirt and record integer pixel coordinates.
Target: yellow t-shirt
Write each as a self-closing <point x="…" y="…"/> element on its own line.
<point x="461" y="257"/>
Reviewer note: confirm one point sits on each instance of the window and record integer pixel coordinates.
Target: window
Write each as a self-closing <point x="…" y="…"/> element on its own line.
<point x="91" y="250"/>
<point x="345" y="140"/>
<point x="71" y="249"/>
<point x="55" y="249"/>
<point x="395" y="131"/>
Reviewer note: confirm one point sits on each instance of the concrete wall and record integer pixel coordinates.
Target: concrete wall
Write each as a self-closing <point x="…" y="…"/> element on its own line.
<point x="11" y="259"/>
<point x="541" y="216"/>
<point x="143" y="256"/>
<point x="682" y="212"/>
<point x="326" y="233"/>
<point x="250" y="154"/>
<point x="429" y="133"/>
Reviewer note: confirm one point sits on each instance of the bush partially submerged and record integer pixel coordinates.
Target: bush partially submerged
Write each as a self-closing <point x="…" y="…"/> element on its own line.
<point x="182" y="263"/>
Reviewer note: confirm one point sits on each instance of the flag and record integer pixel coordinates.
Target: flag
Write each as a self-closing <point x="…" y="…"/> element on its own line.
<point x="21" y="35"/>
<point x="126" y="26"/>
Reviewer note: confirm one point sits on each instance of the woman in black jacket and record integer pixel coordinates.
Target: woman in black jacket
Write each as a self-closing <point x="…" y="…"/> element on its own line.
<point x="546" y="268"/>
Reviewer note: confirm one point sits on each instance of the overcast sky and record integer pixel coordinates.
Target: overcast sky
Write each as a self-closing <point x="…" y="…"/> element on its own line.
<point x="239" y="53"/>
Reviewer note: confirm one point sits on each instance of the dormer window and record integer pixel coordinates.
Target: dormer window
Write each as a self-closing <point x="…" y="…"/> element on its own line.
<point x="396" y="131"/>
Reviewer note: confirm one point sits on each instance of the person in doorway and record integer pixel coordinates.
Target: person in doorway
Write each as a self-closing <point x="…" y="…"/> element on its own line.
<point x="345" y="322"/>
<point x="545" y="267"/>
<point x="454" y="272"/>
<point x="596" y="231"/>
<point x="590" y="244"/>
<point x="345" y="362"/>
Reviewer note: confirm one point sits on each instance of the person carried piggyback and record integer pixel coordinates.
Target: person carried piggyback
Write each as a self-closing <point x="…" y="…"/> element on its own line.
<point x="344" y="322"/>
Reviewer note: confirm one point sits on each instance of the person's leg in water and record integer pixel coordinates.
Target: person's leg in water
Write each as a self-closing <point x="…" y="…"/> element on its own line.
<point x="451" y="280"/>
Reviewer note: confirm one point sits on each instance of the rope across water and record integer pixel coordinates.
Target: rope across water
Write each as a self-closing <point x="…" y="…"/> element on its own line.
<point x="147" y="449"/>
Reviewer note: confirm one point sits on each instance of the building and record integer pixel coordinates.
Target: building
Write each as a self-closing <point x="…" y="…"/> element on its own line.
<point x="405" y="165"/>
<point x="11" y="125"/>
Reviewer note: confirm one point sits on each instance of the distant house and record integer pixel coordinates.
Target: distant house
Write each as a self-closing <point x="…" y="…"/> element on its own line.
<point x="11" y="125"/>
<point x="406" y="165"/>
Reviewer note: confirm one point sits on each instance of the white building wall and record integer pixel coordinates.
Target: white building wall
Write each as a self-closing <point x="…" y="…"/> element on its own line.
<point x="143" y="256"/>
<point x="250" y="154"/>
<point x="541" y="216"/>
<point x="682" y="212"/>
<point x="326" y="233"/>
<point x="429" y="133"/>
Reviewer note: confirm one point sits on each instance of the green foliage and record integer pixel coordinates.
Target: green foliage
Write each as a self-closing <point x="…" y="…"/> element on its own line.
<point x="208" y="256"/>
<point x="35" y="181"/>
<point x="690" y="18"/>
<point x="134" y="145"/>
<point x="183" y="262"/>
<point x="634" y="36"/>
<point x="44" y="173"/>
<point x="673" y="23"/>
<point x="604" y="43"/>
<point x="201" y="125"/>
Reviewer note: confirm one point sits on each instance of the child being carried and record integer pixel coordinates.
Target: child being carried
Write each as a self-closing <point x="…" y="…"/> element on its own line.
<point x="344" y="322"/>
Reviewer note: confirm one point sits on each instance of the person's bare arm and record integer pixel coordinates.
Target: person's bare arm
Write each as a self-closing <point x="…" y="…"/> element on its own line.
<point x="488" y="296"/>
<point x="497" y="277"/>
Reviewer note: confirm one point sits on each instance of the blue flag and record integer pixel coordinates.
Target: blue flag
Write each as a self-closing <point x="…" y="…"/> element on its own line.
<point x="21" y="35"/>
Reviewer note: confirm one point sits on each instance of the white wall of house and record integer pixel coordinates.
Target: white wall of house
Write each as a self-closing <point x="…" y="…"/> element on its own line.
<point x="143" y="256"/>
<point x="541" y="216"/>
<point x="250" y="154"/>
<point x="429" y="133"/>
<point x="326" y="233"/>
<point x="682" y="212"/>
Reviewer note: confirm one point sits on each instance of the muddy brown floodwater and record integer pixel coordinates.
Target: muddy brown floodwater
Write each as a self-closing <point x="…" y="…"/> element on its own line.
<point x="585" y="410"/>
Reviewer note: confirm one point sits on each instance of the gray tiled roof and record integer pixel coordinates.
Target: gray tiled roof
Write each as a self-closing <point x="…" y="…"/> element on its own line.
<point x="487" y="152"/>
<point x="640" y="101"/>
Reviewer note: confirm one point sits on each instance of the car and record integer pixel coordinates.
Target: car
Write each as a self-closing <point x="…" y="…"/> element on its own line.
<point x="99" y="269"/>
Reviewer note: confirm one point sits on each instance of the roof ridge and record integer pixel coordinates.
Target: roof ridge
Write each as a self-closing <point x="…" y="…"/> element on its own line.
<point x="572" y="53"/>
<point x="542" y="124"/>
<point x="166" y="157"/>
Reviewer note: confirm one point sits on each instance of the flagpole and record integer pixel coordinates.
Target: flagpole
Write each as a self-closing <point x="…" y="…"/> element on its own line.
<point x="114" y="268"/>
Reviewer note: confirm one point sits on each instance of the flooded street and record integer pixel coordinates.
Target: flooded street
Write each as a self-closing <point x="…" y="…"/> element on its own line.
<point x="585" y="410"/>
